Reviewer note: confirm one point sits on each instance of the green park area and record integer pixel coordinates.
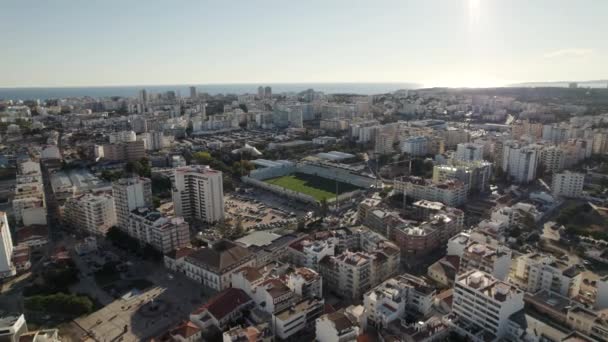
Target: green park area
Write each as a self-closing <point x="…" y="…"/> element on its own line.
<point x="582" y="219"/>
<point x="318" y="187"/>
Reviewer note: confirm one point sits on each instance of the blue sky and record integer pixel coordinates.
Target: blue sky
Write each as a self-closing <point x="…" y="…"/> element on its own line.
<point x="432" y="42"/>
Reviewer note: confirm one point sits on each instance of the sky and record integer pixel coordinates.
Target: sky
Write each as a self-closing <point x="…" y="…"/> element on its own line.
<point x="430" y="42"/>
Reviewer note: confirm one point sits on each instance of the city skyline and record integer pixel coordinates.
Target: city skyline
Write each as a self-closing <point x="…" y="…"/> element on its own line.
<point x="466" y="43"/>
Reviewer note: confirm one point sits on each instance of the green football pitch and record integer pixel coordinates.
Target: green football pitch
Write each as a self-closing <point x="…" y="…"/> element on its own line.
<point x="315" y="186"/>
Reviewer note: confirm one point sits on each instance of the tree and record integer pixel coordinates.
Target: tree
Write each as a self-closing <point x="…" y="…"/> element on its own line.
<point x="243" y="107"/>
<point x="60" y="303"/>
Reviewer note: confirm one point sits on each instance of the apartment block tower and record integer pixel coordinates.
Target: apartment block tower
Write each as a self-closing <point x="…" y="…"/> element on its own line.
<point x="130" y="194"/>
<point x="198" y="193"/>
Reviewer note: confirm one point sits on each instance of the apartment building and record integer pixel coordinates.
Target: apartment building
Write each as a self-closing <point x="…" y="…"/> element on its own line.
<point x="336" y="327"/>
<point x="553" y="159"/>
<point x="351" y="274"/>
<point x="452" y="193"/>
<point x="125" y="151"/>
<point x="469" y="152"/>
<point x="535" y="272"/>
<point x="520" y="162"/>
<point x="90" y="213"/>
<point x="7" y="269"/>
<point x="482" y="306"/>
<point x="29" y="205"/>
<point x="430" y="235"/>
<point x="299" y="316"/>
<point x="130" y="194"/>
<point x="198" y="193"/>
<point x="568" y="184"/>
<point x="495" y="261"/>
<point x="163" y="233"/>
<point x="395" y="298"/>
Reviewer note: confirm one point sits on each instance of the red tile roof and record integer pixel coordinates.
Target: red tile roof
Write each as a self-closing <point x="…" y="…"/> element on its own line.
<point x="225" y="302"/>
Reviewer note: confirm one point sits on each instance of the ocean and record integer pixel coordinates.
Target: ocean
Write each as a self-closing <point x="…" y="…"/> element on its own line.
<point x="42" y="93"/>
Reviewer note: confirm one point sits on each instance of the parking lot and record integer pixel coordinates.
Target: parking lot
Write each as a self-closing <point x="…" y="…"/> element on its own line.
<point x="256" y="214"/>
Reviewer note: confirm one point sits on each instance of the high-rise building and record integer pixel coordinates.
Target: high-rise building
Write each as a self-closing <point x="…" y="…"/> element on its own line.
<point x="7" y="269"/>
<point x="469" y="152"/>
<point x="130" y="194"/>
<point x="520" y="163"/>
<point x="260" y="92"/>
<point x="568" y="184"/>
<point x="90" y="213"/>
<point x="268" y="92"/>
<point x="198" y="193"/>
<point x="193" y="93"/>
<point x="143" y="100"/>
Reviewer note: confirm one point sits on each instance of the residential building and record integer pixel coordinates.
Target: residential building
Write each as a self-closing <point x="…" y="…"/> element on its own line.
<point x="520" y="162"/>
<point x="535" y="272"/>
<point x="495" y="261"/>
<point x="198" y="193"/>
<point x="553" y="159"/>
<point x="482" y="306"/>
<point x="452" y="193"/>
<point x="125" y="151"/>
<point x="301" y="315"/>
<point x="164" y="233"/>
<point x="469" y="152"/>
<point x="7" y="269"/>
<point x="568" y="184"/>
<point x="12" y="327"/>
<point x="90" y="213"/>
<point x="351" y="274"/>
<point x="130" y="194"/>
<point x="395" y="298"/>
<point x="427" y="237"/>
<point x="336" y="327"/>
<point x="29" y="205"/>
<point x="415" y="146"/>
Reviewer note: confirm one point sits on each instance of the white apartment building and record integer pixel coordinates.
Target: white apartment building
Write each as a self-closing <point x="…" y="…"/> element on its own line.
<point x="93" y="214"/>
<point x="568" y="184"/>
<point x="452" y="193"/>
<point x="469" y="152"/>
<point x="7" y="269"/>
<point x="130" y="194"/>
<point x="495" y="261"/>
<point x="12" y="327"/>
<point x="301" y="315"/>
<point x="415" y="146"/>
<point x="351" y="274"/>
<point x="163" y="233"/>
<point x="308" y="252"/>
<point x="153" y="141"/>
<point x="482" y="306"/>
<point x="384" y="142"/>
<point x="520" y="163"/>
<point x="395" y="298"/>
<point x="29" y="205"/>
<point x="198" y="193"/>
<point x="535" y="272"/>
<point x="305" y="282"/>
<point x="122" y="136"/>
